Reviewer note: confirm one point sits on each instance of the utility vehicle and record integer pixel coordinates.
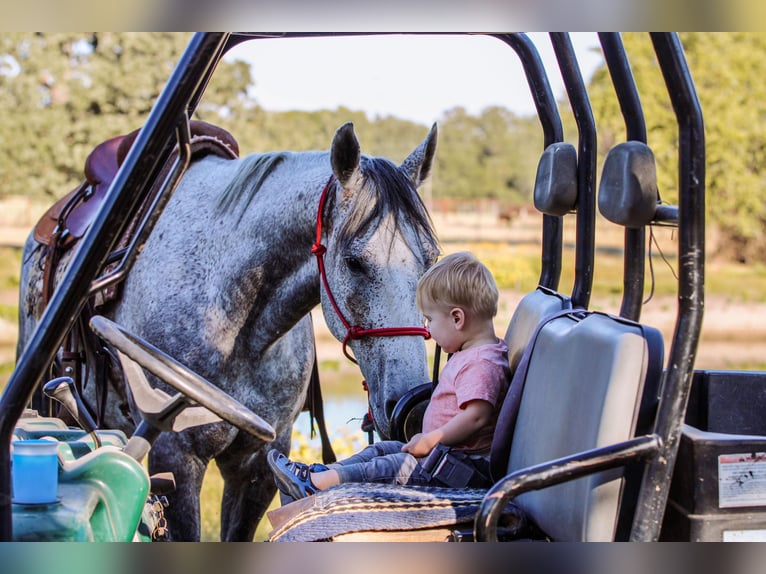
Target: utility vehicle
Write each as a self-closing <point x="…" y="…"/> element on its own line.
<point x="608" y="432"/>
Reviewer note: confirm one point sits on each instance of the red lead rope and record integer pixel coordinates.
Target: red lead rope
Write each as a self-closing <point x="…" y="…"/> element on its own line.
<point x="352" y="331"/>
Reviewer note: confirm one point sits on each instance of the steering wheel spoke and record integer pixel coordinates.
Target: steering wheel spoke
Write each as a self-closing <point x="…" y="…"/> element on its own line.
<point x="194" y="387"/>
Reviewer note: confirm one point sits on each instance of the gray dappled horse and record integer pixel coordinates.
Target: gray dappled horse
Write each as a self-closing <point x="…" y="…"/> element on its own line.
<point x="226" y="282"/>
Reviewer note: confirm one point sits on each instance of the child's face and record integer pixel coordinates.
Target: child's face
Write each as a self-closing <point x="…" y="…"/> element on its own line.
<point x="443" y="324"/>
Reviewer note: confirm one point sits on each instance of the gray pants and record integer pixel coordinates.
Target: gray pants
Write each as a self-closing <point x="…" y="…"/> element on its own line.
<point x="385" y="462"/>
<point x="382" y="461"/>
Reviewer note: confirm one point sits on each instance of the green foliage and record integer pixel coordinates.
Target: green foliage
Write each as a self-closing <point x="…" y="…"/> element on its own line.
<point x="728" y="71"/>
<point x="70" y="91"/>
<point x="492" y="156"/>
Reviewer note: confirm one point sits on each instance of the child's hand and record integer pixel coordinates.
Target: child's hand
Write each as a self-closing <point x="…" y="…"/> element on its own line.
<point x="470" y="419"/>
<point x="421" y="444"/>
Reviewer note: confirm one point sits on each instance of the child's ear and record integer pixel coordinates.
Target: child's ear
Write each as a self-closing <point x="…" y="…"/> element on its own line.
<point x="458" y="317"/>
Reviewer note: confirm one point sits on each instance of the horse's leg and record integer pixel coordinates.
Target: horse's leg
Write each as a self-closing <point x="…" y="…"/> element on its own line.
<point x="172" y="453"/>
<point x="279" y="384"/>
<point x="248" y="490"/>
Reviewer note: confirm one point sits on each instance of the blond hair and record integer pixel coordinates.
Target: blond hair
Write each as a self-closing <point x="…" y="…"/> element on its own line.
<point x="460" y="280"/>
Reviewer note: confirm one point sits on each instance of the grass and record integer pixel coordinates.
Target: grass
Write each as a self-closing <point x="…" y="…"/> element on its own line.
<point x="9" y="313"/>
<point x="742" y="283"/>
<point x="344" y="444"/>
<point x="517" y="268"/>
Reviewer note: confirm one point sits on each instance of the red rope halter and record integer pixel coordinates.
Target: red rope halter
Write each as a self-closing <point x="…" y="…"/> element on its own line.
<point x="352" y="331"/>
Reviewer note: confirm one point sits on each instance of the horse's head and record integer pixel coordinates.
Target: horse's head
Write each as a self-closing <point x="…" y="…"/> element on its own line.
<point x="379" y="241"/>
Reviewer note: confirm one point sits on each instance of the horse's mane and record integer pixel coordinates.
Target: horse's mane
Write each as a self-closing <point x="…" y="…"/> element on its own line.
<point x="248" y="180"/>
<point x="385" y="190"/>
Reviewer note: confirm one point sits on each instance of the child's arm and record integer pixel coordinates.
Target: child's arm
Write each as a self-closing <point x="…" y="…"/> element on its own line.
<point x="469" y="420"/>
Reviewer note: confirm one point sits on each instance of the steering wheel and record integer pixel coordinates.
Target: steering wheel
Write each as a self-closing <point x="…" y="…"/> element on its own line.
<point x="182" y="379"/>
<point x="407" y="417"/>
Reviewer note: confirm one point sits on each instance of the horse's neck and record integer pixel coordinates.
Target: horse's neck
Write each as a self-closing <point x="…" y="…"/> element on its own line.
<point x="272" y="281"/>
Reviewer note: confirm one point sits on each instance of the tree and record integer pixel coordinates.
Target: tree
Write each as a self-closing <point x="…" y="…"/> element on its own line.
<point x="492" y="156"/>
<point x="728" y="71"/>
<point x="68" y="92"/>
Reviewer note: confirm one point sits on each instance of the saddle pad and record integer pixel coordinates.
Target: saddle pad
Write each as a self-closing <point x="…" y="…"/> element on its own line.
<point x="360" y="507"/>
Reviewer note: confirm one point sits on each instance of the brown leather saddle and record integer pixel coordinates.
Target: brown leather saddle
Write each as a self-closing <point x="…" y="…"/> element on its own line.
<point x="69" y="218"/>
<point x="65" y="223"/>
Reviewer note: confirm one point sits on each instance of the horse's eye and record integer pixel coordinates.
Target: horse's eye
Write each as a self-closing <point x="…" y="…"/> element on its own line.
<point x="354" y="265"/>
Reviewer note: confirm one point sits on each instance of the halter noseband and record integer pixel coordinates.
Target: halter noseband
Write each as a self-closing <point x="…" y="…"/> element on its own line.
<point x="352" y="331"/>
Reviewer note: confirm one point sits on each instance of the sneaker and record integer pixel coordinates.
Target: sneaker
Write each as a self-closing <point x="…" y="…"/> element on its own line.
<point x="284" y="497"/>
<point x="318" y="467"/>
<point x="292" y="478"/>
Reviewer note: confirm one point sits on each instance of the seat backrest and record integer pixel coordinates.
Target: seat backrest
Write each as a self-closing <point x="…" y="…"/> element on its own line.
<point x="586" y="380"/>
<point x="529" y="313"/>
<point x="555" y="194"/>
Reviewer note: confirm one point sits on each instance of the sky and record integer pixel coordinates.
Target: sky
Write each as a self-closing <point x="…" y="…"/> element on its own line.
<point x="416" y="78"/>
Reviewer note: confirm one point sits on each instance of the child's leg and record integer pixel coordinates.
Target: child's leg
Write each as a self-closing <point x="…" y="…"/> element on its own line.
<point x="349" y="469"/>
<point x="382" y="462"/>
<point x="380" y="448"/>
<point x="394" y="468"/>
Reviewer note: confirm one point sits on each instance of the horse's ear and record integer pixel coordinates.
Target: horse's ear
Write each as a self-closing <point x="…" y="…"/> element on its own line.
<point x="418" y="164"/>
<point x="345" y="155"/>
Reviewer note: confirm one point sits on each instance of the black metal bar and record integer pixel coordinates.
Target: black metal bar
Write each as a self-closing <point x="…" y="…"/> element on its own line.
<point x="633" y="273"/>
<point x="547" y="111"/>
<point x="677" y="378"/>
<point x="537" y="78"/>
<point x="144" y="160"/>
<point x="586" y="168"/>
<point x="152" y="214"/>
<point x="555" y="472"/>
<point x="635" y="127"/>
<point x="624" y="85"/>
<point x="666" y="215"/>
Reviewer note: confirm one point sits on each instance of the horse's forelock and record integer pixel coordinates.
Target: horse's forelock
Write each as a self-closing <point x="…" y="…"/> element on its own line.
<point x="386" y="190"/>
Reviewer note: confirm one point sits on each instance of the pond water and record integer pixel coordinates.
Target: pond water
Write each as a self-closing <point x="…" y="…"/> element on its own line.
<point x="343" y="417"/>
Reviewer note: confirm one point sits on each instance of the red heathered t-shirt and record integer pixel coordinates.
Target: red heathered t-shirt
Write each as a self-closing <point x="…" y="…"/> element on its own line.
<point x="477" y="373"/>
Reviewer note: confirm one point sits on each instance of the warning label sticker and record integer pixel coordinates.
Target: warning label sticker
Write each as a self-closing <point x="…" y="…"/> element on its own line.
<point x="744" y="535"/>
<point x="742" y="480"/>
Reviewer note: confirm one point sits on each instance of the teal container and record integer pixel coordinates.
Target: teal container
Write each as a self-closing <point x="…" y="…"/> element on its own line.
<point x="101" y="498"/>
